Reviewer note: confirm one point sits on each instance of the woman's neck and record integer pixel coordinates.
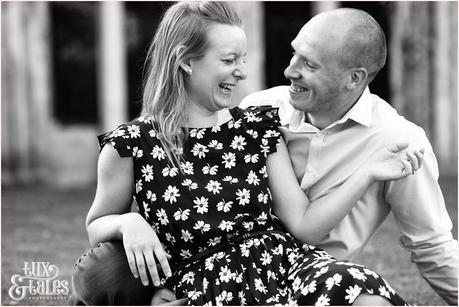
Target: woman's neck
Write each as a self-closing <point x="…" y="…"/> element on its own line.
<point x="206" y="119"/>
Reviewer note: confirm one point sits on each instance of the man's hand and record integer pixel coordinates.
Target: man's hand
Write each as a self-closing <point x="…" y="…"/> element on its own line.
<point x="166" y="297"/>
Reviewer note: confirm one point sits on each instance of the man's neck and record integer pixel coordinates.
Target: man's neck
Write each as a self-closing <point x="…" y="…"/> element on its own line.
<point x="324" y="119"/>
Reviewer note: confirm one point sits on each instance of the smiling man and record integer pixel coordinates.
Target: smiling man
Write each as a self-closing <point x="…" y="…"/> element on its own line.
<point x="331" y="123"/>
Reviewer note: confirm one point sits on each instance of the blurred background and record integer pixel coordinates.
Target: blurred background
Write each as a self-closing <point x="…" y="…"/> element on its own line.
<point x="72" y="70"/>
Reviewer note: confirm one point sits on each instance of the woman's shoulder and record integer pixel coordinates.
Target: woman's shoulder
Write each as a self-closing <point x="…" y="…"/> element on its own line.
<point x="258" y="115"/>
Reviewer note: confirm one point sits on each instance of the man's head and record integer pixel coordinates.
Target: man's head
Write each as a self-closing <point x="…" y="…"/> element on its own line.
<point x="336" y="55"/>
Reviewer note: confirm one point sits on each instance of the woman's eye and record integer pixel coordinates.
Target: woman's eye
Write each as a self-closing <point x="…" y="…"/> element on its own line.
<point x="228" y="61"/>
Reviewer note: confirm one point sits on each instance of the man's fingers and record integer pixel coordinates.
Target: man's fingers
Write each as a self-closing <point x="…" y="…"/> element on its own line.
<point x="153" y="270"/>
<point x="132" y="264"/>
<point x="141" y="267"/>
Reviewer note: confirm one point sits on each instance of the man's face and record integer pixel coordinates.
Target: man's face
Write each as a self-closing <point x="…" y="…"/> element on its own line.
<point x="317" y="81"/>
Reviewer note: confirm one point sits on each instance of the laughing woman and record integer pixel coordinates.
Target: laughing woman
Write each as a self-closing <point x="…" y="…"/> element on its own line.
<point x="209" y="180"/>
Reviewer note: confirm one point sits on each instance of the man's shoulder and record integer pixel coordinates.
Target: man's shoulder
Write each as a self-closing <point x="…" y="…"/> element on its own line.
<point x="276" y="96"/>
<point x="392" y="125"/>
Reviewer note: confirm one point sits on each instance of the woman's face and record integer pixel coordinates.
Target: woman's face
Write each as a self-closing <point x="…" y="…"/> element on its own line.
<point x="215" y="75"/>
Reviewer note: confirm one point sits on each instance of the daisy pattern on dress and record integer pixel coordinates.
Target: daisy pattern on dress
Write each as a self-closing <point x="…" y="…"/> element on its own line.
<point x="162" y="216"/>
<point x="211" y="170"/>
<point x="259" y="286"/>
<point x="226" y="225"/>
<point x="224" y="206"/>
<point x="226" y="275"/>
<point x="187" y="167"/>
<point x="170" y="171"/>
<point x="147" y="172"/>
<point x="333" y="281"/>
<point x="238" y="143"/>
<point x="252" y="178"/>
<point x="158" y="153"/>
<point x="201" y="204"/>
<point x="138" y="186"/>
<point x="214" y="187"/>
<point x="230" y="179"/>
<point x="171" y="194"/>
<point x="203" y="227"/>
<point x="197" y="133"/>
<point x="357" y="274"/>
<point x="263" y="197"/>
<point x="323" y="300"/>
<point x="151" y="196"/>
<point x="181" y="214"/>
<point x="134" y="131"/>
<point x="248" y="158"/>
<point x="146" y="209"/>
<point x="215" y="144"/>
<point x="243" y="196"/>
<point x="352" y="293"/>
<point x="137" y="153"/>
<point x="199" y="150"/>
<point x="187" y="236"/>
<point x="229" y="159"/>
<point x="190" y="184"/>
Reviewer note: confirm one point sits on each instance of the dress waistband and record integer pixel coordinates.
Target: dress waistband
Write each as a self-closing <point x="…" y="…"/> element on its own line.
<point x="229" y="241"/>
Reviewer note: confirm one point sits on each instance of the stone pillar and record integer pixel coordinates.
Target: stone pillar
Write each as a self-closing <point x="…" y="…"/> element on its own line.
<point x="252" y="16"/>
<point x="444" y="103"/>
<point x="322" y="6"/>
<point x="112" y="70"/>
<point x="17" y="115"/>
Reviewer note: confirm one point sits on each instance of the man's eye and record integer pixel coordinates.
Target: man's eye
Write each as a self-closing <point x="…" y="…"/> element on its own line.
<point x="308" y="64"/>
<point x="228" y="61"/>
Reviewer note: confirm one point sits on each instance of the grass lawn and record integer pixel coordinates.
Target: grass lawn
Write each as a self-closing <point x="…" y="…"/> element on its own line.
<point x="42" y="224"/>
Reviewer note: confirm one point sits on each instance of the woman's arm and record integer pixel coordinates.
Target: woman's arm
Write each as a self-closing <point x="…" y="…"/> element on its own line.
<point x="311" y="221"/>
<point x="109" y="218"/>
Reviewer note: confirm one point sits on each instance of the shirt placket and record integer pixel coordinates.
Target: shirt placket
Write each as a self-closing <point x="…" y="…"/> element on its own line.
<point x="312" y="167"/>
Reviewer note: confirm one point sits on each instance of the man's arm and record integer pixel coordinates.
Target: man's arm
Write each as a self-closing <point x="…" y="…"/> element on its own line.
<point x="420" y="212"/>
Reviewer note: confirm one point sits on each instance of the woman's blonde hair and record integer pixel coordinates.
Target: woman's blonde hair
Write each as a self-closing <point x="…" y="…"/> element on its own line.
<point x="181" y="36"/>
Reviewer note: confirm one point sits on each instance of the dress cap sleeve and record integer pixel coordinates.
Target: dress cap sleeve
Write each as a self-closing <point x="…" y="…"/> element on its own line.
<point x="265" y="122"/>
<point x="122" y="139"/>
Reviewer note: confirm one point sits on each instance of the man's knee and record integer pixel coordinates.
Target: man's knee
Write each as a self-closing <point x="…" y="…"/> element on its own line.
<point x="102" y="276"/>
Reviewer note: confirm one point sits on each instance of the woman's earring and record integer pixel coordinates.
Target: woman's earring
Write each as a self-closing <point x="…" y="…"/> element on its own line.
<point x="189" y="71"/>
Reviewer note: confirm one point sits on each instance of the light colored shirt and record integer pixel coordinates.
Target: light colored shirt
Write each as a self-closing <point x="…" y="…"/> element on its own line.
<point x="324" y="159"/>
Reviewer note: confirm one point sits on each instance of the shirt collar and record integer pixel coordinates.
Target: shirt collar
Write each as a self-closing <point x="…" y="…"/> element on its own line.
<point x="361" y="111"/>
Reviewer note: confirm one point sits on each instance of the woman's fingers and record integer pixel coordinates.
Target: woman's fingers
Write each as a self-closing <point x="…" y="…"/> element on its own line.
<point x="406" y="170"/>
<point x="413" y="160"/>
<point x="132" y="263"/>
<point x="162" y="258"/>
<point x="152" y="269"/>
<point x="420" y="155"/>
<point x="141" y="267"/>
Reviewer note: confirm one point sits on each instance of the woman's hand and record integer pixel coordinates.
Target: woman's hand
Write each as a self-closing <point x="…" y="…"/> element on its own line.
<point x="393" y="162"/>
<point x="142" y="246"/>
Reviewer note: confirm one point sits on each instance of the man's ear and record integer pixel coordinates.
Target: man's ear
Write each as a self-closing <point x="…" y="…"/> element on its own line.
<point x="357" y="77"/>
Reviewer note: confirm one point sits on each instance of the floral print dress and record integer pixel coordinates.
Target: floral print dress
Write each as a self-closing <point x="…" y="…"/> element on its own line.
<point x="221" y="190"/>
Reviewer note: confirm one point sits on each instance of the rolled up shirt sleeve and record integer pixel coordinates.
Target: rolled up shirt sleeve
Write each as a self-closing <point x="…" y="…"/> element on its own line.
<point x="419" y="209"/>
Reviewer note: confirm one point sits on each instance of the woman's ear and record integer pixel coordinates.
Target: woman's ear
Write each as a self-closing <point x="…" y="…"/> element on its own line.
<point x="357" y="77"/>
<point x="186" y="68"/>
<point x="185" y="64"/>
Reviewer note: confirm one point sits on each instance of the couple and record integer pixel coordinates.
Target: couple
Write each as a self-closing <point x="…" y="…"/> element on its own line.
<point x="219" y="230"/>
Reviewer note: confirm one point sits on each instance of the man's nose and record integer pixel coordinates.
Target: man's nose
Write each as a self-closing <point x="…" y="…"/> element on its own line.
<point x="291" y="71"/>
<point x="241" y="72"/>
